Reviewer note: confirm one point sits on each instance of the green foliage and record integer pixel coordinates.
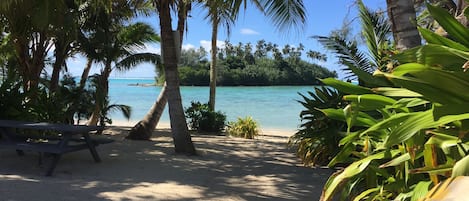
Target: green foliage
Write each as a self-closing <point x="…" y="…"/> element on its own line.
<point x="318" y="138"/>
<point x="238" y="65"/>
<point x="359" y="64"/>
<point x="201" y="118"/>
<point x="400" y="141"/>
<point x="243" y="127"/>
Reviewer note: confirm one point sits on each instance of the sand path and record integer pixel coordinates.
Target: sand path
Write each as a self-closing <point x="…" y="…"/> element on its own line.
<point x="226" y="169"/>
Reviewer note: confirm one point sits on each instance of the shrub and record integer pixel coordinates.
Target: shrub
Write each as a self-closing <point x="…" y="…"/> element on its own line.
<point x="246" y="128"/>
<point x="201" y="118"/>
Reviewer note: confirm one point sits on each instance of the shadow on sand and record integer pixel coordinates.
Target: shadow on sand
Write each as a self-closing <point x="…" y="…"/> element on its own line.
<point x="226" y="169"/>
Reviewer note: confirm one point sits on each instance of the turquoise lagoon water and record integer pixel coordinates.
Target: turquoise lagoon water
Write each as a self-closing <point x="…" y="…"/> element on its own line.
<point x="274" y="107"/>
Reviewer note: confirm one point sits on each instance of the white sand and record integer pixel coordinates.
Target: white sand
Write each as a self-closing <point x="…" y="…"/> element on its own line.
<point x="226" y="169"/>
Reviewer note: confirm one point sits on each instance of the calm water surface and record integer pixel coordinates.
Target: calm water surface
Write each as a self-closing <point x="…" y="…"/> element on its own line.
<point x="274" y="107"/>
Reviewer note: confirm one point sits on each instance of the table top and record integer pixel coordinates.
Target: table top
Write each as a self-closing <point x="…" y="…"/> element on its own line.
<point x="65" y="128"/>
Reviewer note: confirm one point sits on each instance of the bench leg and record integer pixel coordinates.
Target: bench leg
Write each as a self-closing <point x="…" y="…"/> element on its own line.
<point x="94" y="153"/>
<point x="55" y="160"/>
<point x="92" y="148"/>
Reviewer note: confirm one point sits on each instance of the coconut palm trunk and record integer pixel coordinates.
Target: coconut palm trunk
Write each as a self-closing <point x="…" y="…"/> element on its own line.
<point x="213" y="63"/>
<point x="404" y="26"/>
<point x="85" y="74"/>
<point x="144" y="128"/>
<point x="101" y="95"/>
<point x="181" y="137"/>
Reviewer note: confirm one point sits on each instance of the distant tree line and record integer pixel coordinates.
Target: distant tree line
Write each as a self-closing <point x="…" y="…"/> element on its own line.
<point x="263" y="65"/>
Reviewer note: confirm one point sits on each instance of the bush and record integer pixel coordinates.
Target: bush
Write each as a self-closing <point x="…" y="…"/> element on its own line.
<point x="246" y="128"/>
<point x="201" y="118"/>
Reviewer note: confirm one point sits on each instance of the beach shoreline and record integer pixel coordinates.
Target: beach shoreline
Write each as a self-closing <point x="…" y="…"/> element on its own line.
<point x="167" y="125"/>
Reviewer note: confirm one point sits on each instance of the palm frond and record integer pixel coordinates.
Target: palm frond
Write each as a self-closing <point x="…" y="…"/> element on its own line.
<point x="136" y="35"/>
<point x="376" y="30"/>
<point x="125" y="109"/>
<point x="134" y="59"/>
<point x="348" y="54"/>
<point x="285" y="14"/>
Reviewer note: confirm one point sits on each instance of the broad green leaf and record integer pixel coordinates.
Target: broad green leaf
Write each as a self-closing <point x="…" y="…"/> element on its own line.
<point x="443" y="141"/>
<point x="411" y="123"/>
<point x="362" y="119"/>
<point x="435" y="85"/>
<point x="346" y="87"/>
<point x="352" y="170"/>
<point x="349" y="138"/>
<point x="454" y="109"/>
<point x="411" y="102"/>
<point x="420" y="190"/>
<point x="455" y="29"/>
<point x="433" y="38"/>
<point x="461" y="167"/>
<point x="366" y="193"/>
<point x="395" y="92"/>
<point x="368" y="102"/>
<point x="387" y="124"/>
<point x="431" y="55"/>
<point x="396" y="161"/>
<point x="343" y="156"/>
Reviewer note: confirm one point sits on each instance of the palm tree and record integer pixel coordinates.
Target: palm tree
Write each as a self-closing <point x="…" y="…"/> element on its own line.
<point x="170" y="46"/>
<point x="120" y="47"/>
<point x="404" y="26"/>
<point x="219" y="12"/>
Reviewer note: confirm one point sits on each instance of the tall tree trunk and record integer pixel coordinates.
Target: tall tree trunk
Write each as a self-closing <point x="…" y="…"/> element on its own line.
<point x="213" y="63"/>
<point x="404" y="26"/>
<point x="181" y="137"/>
<point x="101" y="95"/>
<point x="144" y="128"/>
<point x="85" y="74"/>
<point x="54" y="80"/>
<point x="60" y="55"/>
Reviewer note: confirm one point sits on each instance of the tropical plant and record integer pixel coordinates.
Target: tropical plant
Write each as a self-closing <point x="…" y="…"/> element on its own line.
<point x="402" y="140"/>
<point x="202" y="118"/>
<point x="120" y="46"/>
<point x="243" y="127"/>
<point x="171" y="47"/>
<point x="317" y="140"/>
<point x="357" y="63"/>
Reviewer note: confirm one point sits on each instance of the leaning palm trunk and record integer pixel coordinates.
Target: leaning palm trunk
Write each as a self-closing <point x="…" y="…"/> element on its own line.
<point x="181" y="137"/>
<point x="144" y="128"/>
<point x="86" y="72"/>
<point x="404" y="26"/>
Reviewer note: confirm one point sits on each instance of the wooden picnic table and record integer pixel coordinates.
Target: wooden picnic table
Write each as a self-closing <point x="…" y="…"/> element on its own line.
<point x="67" y="138"/>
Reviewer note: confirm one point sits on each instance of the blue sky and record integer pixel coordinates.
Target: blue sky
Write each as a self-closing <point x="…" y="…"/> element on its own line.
<point x="323" y="16"/>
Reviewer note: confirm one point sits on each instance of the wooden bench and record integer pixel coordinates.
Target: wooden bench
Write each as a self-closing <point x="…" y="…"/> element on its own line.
<point x="69" y="138"/>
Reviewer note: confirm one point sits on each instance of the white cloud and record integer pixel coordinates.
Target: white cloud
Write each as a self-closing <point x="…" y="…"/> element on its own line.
<point x="247" y="31"/>
<point x="188" y="46"/>
<point x="207" y="45"/>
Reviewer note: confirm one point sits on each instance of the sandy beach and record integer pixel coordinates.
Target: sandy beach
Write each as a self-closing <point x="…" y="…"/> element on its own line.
<point x="226" y="168"/>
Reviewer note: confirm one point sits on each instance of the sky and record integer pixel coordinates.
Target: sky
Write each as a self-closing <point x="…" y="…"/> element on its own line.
<point x="323" y="16"/>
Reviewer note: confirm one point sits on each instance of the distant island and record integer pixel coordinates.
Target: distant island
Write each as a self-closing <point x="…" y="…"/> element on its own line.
<point x="266" y="64"/>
